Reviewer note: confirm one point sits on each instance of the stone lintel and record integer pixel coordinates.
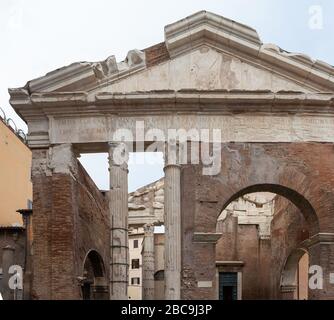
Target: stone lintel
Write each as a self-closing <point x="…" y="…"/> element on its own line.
<point x="319" y="238"/>
<point x="288" y="288"/>
<point x="8" y="247"/>
<point x="202" y="237"/>
<point x="160" y="102"/>
<point x="229" y="263"/>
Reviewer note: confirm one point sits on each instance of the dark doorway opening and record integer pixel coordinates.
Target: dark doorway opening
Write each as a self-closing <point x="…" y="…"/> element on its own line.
<point x="94" y="285"/>
<point x="228" y="286"/>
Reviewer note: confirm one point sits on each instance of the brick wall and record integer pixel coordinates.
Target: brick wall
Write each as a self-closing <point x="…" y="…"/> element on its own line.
<point x="301" y="172"/>
<point x="70" y="218"/>
<point x="288" y="230"/>
<point x="156" y="54"/>
<point x="242" y="243"/>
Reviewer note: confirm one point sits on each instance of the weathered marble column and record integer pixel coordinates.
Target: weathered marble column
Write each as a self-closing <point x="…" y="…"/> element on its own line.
<point x="118" y="207"/>
<point x="172" y="224"/>
<point x="148" y="263"/>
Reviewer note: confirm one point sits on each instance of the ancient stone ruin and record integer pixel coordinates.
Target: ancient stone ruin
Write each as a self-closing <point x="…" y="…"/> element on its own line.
<point x="261" y="115"/>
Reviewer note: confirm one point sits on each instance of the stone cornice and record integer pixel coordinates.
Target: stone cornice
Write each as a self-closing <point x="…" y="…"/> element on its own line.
<point x="141" y="220"/>
<point x="166" y="102"/>
<point x="230" y="263"/>
<point x="319" y="238"/>
<point x="202" y="237"/>
<point x="204" y="26"/>
<point x="82" y="72"/>
<point x="86" y="75"/>
<point x="208" y="28"/>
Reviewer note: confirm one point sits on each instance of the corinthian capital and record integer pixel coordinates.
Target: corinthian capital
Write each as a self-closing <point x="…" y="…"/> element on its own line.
<point x="149" y="229"/>
<point x="118" y="155"/>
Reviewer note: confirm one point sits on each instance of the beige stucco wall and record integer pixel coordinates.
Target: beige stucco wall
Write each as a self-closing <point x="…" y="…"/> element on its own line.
<point x="15" y="183"/>
<point x="303" y="267"/>
<point x="135" y="291"/>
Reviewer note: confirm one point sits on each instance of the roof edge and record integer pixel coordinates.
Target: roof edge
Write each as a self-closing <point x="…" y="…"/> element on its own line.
<point x="201" y="28"/>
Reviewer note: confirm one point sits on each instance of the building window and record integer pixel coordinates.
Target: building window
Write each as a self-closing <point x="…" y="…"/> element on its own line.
<point x="135" y="243"/>
<point x="135" y="281"/>
<point x="135" y="263"/>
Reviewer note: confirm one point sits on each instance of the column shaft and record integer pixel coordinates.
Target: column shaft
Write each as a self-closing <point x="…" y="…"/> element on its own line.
<point x="148" y="263"/>
<point x="172" y="232"/>
<point x="118" y="206"/>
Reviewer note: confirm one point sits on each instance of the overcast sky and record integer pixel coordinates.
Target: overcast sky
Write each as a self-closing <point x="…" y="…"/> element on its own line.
<point x="37" y="36"/>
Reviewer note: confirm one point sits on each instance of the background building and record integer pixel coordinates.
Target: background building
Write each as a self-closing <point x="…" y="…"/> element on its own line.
<point x="136" y="237"/>
<point x="15" y="194"/>
<point x="146" y="207"/>
<point x="15" y="182"/>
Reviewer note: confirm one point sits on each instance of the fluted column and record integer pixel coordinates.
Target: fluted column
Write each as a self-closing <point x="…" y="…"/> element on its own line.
<point x="148" y="263"/>
<point x="172" y="224"/>
<point x="118" y="208"/>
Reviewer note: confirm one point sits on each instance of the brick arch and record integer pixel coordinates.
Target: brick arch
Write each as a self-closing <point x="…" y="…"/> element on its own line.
<point x="290" y="267"/>
<point x="304" y="169"/>
<point x="296" y="198"/>
<point x="94" y="281"/>
<point x="96" y="261"/>
<point x="301" y="172"/>
<point x="289" y="281"/>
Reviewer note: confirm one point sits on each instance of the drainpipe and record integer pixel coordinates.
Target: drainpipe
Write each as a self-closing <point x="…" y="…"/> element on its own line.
<point x="27" y="223"/>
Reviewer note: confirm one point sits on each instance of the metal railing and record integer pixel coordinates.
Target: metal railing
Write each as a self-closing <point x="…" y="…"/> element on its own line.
<point x="10" y="123"/>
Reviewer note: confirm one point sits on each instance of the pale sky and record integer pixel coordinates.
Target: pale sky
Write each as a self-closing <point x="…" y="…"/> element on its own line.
<point x="37" y="36"/>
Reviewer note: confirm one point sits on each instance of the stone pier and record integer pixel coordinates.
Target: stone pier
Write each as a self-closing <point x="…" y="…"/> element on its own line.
<point x="148" y="263"/>
<point x="118" y="207"/>
<point x="172" y="224"/>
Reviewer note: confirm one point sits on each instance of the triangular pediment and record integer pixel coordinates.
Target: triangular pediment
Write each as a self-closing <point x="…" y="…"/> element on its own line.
<point x="204" y="51"/>
<point x="207" y="68"/>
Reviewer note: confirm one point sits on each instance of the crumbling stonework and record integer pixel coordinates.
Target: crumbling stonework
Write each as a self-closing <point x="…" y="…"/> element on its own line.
<point x="146" y="205"/>
<point x="255" y="208"/>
